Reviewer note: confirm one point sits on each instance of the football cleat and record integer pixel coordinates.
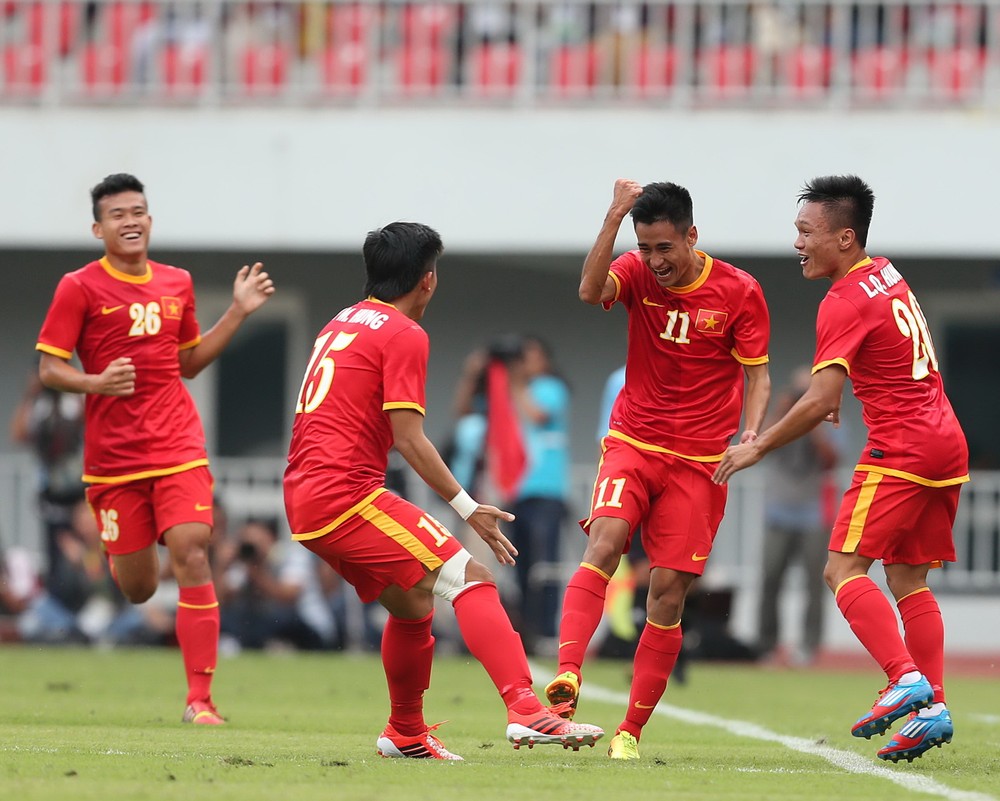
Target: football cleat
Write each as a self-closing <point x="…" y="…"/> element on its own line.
<point x="893" y="702"/>
<point x="623" y="746"/>
<point x="202" y="713"/>
<point x="917" y="735"/>
<point x="549" y="726"/>
<point x="564" y="691"/>
<point x="418" y="746"/>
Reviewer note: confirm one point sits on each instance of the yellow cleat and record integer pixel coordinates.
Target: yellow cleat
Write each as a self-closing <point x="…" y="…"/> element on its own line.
<point x="623" y="746"/>
<point x="563" y="692"/>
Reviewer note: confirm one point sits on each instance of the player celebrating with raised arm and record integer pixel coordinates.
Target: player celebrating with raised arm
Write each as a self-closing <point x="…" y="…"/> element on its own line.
<point x="363" y="392"/>
<point x="901" y="505"/>
<point x="696" y="327"/>
<point x="132" y="323"/>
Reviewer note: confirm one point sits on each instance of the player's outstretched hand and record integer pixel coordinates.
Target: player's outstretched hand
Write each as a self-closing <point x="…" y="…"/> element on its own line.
<point x="736" y="458"/>
<point x="485" y="523"/>
<point x="252" y="288"/>
<point x="118" y="378"/>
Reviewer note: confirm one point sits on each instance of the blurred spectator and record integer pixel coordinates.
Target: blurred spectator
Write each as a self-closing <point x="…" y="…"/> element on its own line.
<point x="51" y="424"/>
<point x="542" y="400"/>
<point x="796" y="527"/>
<point x="270" y="592"/>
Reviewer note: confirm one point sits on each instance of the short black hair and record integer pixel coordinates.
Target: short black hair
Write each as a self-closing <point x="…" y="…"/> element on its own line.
<point x="114" y="185"/>
<point x="397" y="256"/>
<point x="664" y="201"/>
<point x="849" y="201"/>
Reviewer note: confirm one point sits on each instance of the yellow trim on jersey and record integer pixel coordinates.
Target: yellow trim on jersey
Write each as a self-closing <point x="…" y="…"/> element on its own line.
<point x="596" y="569"/>
<point x="372" y="299"/>
<point x="701" y="279"/>
<point x="848" y="580"/>
<point x="618" y="286"/>
<point x="915" y="592"/>
<point x="756" y="360"/>
<point x="860" y="512"/>
<point x="191" y="344"/>
<point x="388" y="407"/>
<point x="863" y="263"/>
<point x="128" y="278"/>
<point x="662" y="627"/>
<point x="198" y="606"/>
<point x="311" y="535"/>
<point x="164" y="471"/>
<point x="54" y="351"/>
<point x="402" y="535"/>
<point x="924" y="482"/>
<point x="842" y="362"/>
<point x="645" y="446"/>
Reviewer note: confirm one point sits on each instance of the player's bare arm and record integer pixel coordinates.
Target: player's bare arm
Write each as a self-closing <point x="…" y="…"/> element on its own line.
<point x="117" y="379"/>
<point x="251" y="289"/>
<point x="420" y="453"/>
<point x="757" y="397"/>
<point x="595" y="284"/>
<point x="822" y="398"/>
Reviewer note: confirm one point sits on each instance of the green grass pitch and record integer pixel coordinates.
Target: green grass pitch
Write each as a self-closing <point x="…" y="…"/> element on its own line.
<point x="105" y="725"/>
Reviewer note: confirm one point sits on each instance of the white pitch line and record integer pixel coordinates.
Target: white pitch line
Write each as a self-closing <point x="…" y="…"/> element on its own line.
<point x="845" y="760"/>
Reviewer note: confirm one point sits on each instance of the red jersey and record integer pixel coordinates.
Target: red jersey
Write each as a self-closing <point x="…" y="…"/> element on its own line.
<point x="687" y="345"/>
<point x="104" y="314"/>
<point x="871" y="324"/>
<point x="369" y="359"/>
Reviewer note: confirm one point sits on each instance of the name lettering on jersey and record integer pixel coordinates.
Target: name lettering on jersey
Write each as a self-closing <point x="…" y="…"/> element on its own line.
<point x="371" y="317"/>
<point x="874" y="285"/>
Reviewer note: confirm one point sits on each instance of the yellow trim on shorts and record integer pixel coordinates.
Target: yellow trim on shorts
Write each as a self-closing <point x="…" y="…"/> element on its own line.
<point x="402" y="535"/>
<point x="645" y="446"/>
<point x="924" y="482"/>
<point x="356" y="509"/>
<point x="165" y="471"/>
<point x="860" y="513"/>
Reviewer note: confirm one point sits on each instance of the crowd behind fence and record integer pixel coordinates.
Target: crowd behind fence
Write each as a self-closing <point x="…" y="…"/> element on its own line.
<point x="686" y="54"/>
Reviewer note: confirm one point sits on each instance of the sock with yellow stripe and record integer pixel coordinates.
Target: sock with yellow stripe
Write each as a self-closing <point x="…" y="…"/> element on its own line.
<point x="197" y="629"/>
<point x="655" y="656"/>
<point x="923" y="630"/>
<point x="874" y="623"/>
<point x="583" y="608"/>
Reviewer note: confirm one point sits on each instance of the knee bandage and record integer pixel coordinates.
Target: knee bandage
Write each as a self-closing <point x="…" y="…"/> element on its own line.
<point x="451" y="577"/>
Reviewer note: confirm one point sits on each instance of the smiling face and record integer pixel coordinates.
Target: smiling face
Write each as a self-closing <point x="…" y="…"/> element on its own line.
<point x="669" y="253"/>
<point x="825" y="249"/>
<point x="124" y="227"/>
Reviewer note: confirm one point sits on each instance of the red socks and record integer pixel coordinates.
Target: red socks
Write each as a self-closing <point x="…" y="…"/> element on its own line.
<point x="491" y="639"/>
<point x="873" y="622"/>
<point x="924" y="631"/>
<point x="407" y="655"/>
<point x="197" y="629"/>
<point x="583" y="607"/>
<point x="655" y="657"/>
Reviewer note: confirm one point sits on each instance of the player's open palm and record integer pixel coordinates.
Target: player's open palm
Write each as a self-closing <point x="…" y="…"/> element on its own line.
<point x="485" y="522"/>
<point x="252" y="288"/>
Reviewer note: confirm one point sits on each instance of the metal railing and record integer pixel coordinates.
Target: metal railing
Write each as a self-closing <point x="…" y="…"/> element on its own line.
<point x="797" y="54"/>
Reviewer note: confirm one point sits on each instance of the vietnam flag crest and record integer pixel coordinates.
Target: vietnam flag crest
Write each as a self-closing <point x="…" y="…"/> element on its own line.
<point x="172" y="308"/>
<point x="709" y="321"/>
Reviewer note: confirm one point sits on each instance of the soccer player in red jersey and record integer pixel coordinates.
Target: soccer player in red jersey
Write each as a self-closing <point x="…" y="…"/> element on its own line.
<point x="696" y="328"/>
<point x="901" y="505"/>
<point x="363" y="393"/>
<point x="131" y="322"/>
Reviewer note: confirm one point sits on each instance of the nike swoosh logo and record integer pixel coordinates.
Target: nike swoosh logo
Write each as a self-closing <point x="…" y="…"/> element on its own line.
<point x="696" y="558"/>
<point x="568" y="642"/>
<point x="111" y="309"/>
<point x="637" y="705"/>
<point x="648" y="302"/>
<point x="200" y="507"/>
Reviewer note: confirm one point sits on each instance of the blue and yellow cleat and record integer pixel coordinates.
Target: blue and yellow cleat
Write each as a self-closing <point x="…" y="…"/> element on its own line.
<point x="919" y="734"/>
<point x="893" y="703"/>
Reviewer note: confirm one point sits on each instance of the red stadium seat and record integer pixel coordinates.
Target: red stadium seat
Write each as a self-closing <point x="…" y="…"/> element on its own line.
<point x="805" y="71"/>
<point x="25" y="69"/>
<point x="428" y="24"/>
<point x="879" y="72"/>
<point x="264" y="68"/>
<point x="422" y="70"/>
<point x="67" y="28"/>
<point x="123" y="19"/>
<point x="652" y="68"/>
<point x="184" y="68"/>
<point x="573" y="69"/>
<point x="495" y="67"/>
<point x="958" y="73"/>
<point x="350" y="22"/>
<point x="104" y="69"/>
<point x="728" y="69"/>
<point x="344" y="67"/>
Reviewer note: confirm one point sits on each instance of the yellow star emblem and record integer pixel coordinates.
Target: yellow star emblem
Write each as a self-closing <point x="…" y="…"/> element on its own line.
<point x="710" y="322"/>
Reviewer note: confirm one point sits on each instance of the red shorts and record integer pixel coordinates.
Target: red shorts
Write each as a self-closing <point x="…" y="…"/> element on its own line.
<point x="133" y="515"/>
<point x="895" y="520"/>
<point x="673" y="499"/>
<point x="388" y="542"/>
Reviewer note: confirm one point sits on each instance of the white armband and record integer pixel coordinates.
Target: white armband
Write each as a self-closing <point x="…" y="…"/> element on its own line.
<point x="463" y="504"/>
